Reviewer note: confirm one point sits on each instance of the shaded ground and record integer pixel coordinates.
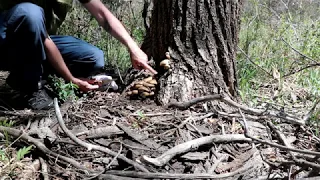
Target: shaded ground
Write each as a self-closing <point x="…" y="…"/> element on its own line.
<point x="205" y="141"/>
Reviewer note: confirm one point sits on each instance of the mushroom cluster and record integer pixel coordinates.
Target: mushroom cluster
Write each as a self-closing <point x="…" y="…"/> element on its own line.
<point x="144" y="88"/>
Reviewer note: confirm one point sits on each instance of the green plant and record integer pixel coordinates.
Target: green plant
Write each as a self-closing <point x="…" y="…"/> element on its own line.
<point x="64" y="90"/>
<point x="22" y="152"/>
<point x="6" y="123"/>
<point x="140" y="120"/>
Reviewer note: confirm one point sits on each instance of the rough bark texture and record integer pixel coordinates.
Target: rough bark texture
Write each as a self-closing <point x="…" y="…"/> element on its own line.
<point x="201" y="36"/>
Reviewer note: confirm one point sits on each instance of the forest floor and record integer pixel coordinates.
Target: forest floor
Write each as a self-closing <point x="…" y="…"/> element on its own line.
<point x="109" y="136"/>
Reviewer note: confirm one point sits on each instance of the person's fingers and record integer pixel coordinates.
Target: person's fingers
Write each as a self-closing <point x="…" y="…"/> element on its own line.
<point x="146" y="66"/>
<point x="92" y="81"/>
<point x="92" y="87"/>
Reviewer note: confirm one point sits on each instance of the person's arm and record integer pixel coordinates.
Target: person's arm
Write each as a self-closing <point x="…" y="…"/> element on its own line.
<point x="56" y="60"/>
<point x="113" y="26"/>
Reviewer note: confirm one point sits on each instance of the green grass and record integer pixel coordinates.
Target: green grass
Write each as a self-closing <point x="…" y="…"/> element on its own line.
<point x="268" y="40"/>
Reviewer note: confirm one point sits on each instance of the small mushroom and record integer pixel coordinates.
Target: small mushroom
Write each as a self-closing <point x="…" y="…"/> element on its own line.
<point x="145" y="94"/>
<point x="148" y="79"/>
<point x="168" y="55"/>
<point x="136" y="86"/>
<point x="165" y="64"/>
<point x="148" y="84"/>
<point x="153" y="82"/>
<point x="151" y="93"/>
<point x="144" y="89"/>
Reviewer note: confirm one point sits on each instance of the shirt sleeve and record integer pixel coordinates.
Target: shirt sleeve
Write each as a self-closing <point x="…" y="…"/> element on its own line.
<point x="84" y="1"/>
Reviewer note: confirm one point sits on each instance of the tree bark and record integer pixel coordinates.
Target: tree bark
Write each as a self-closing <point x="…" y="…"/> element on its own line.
<point x="201" y="37"/>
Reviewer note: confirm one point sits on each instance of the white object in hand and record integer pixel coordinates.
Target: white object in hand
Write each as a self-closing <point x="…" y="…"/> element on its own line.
<point x="107" y="82"/>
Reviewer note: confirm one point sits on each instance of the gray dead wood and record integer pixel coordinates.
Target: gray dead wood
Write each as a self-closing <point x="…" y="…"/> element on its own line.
<point x="16" y="133"/>
<point x="113" y="177"/>
<point x="92" y="146"/>
<point x="246" y="133"/>
<point x="296" y="161"/>
<point x="139" y="137"/>
<point x="259" y="112"/>
<point x="44" y="169"/>
<point x="247" y="169"/>
<point x="193" y="145"/>
<point x="101" y="132"/>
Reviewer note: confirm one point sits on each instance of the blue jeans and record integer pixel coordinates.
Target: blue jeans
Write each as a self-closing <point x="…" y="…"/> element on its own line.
<point x="22" y="53"/>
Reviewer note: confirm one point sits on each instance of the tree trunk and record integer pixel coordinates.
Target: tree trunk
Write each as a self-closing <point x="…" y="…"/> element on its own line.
<point x="201" y="37"/>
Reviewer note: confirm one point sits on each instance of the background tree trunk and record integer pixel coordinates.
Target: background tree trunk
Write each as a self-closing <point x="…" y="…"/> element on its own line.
<point x="201" y="36"/>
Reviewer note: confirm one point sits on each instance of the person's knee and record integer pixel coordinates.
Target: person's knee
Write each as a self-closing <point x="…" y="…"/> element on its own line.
<point x="98" y="57"/>
<point x="31" y="15"/>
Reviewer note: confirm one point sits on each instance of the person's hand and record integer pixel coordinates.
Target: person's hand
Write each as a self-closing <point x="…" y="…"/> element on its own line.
<point x="139" y="61"/>
<point x="84" y="85"/>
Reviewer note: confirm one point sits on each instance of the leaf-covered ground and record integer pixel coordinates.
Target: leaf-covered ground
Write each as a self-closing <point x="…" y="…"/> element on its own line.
<point x="109" y="136"/>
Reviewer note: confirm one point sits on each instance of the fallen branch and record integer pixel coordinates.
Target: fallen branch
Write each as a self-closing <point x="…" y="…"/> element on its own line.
<point x="151" y="114"/>
<point x="101" y="132"/>
<point x="44" y="169"/>
<point x="193" y="145"/>
<point x="301" y="69"/>
<point x="286" y="117"/>
<point x="301" y="162"/>
<point x="113" y="177"/>
<point x="309" y="114"/>
<point x="92" y="146"/>
<point x="16" y="133"/>
<point x="246" y="133"/>
<point x="144" y="175"/>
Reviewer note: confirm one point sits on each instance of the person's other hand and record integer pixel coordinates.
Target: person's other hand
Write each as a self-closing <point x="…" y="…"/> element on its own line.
<point x="139" y="61"/>
<point x="84" y="85"/>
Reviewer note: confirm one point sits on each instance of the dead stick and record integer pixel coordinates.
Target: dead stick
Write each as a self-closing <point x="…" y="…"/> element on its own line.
<point x="301" y="54"/>
<point x="246" y="133"/>
<point x="92" y="146"/>
<point x="193" y="145"/>
<point x="114" y="177"/>
<point x="283" y="140"/>
<point x="172" y="176"/>
<point x="185" y="105"/>
<point x="16" y="133"/>
<point x="44" y="169"/>
<point x="309" y="114"/>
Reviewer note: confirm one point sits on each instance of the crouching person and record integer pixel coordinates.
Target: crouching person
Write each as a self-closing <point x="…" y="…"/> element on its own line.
<point x="30" y="50"/>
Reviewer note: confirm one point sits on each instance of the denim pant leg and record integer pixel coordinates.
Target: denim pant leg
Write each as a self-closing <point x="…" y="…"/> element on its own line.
<point x="82" y="58"/>
<point x="24" y="44"/>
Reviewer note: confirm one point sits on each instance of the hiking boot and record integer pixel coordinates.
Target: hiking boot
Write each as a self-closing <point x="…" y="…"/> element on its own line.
<point x="40" y="100"/>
